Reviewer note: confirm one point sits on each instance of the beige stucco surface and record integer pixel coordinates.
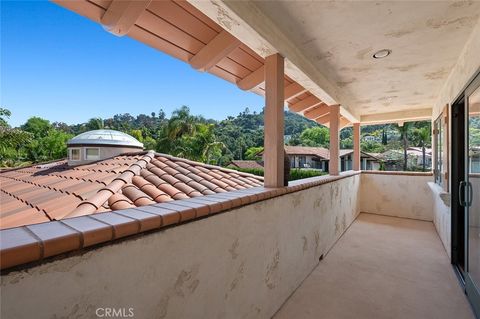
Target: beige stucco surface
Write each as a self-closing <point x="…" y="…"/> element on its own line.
<point x="397" y="195"/>
<point x="465" y="68"/>
<point x="243" y="263"/>
<point x="441" y="216"/>
<point x="383" y="267"/>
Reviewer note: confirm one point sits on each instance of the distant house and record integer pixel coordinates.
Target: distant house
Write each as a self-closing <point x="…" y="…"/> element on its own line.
<point x="245" y="164"/>
<point x="416" y="154"/>
<point x="318" y="158"/>
<point x="370" y="138"/>
<point x="394" y="159"/>
<point x="474" y="159"/>
<point x="369" y="161"/>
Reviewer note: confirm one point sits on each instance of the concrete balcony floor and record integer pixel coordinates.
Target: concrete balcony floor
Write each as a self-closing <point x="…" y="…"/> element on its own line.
<point x="382" y="267"/>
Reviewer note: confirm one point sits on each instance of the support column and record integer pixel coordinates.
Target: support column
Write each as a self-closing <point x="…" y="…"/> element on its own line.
<point x="274" y="121"/>
<point x="356" y="146"/>
<point x="333" y="166"/>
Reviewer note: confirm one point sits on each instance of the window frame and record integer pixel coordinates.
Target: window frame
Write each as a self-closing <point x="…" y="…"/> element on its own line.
<point x="87" y="158"/>
<point x="440" y="157"/>
<point x="70" y="154"/>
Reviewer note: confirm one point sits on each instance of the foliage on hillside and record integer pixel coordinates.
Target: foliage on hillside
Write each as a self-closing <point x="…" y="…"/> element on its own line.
<point x="191" y="136"/>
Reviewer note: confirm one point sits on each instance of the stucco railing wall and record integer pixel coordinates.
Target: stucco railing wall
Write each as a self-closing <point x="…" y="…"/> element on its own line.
<point x="441" y="211"/>
<point x="399" y="194"/>
<point x="243" y="263"/>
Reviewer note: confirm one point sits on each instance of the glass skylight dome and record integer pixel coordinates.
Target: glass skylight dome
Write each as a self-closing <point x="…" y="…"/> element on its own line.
<point x="105" y="137"/>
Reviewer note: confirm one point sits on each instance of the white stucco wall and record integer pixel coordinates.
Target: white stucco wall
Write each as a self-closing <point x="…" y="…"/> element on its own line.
<point x="243" y="263"/>
<point x="465" y="68"/>
<point x="397" y="195"/>
<point x="442" y="217"/>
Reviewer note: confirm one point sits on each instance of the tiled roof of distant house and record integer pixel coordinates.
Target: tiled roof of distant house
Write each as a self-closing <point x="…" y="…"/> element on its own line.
<point x="246" y="164"/>
<point x="314" y="151"/>
<point x="419" y="151"/>
<point x="55" y="191"/>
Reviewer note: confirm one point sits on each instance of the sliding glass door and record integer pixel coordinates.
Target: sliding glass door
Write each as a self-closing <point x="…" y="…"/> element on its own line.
<point x="469" y="193"/>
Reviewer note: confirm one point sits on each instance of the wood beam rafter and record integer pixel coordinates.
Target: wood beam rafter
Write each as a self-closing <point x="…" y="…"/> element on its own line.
<point x="293" y="90"/>
<point x="212" y="53"/>
<point x="305" y="104"/>
<point x="399" y="116"/>
<point x="121" y="15"/>
<point x="324" y="120"/>
<point x="252" y="80"/>
<point x="344" y="122"/>
<point x="317" y="112"/>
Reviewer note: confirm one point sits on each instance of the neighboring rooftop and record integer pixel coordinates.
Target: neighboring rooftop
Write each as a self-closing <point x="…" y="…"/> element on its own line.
<point x="321" y="152"/>
<point x="246" y="164"/>
<point x="55" y="191"/>
<point x="105" y="137"/>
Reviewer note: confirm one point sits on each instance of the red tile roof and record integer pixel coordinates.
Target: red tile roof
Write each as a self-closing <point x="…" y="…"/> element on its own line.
<point x="321" y="152"/>
<point x="246" y="164"/>
<point x="55" y="191"/>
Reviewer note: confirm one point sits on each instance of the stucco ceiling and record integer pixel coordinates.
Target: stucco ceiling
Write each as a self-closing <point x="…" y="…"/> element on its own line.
<point x="339" y="38"/>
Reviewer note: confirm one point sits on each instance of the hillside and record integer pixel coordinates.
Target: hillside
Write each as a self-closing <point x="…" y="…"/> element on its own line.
<point x="187" y="135"/>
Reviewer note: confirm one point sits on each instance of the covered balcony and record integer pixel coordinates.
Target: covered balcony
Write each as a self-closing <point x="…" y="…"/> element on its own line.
<point x="353" y="244"/>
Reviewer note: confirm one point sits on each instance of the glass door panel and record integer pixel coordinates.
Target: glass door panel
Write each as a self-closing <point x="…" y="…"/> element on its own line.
<point x="472" y="192"/>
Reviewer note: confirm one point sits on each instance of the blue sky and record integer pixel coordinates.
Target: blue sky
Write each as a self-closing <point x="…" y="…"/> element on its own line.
<point x="60" y="66"/>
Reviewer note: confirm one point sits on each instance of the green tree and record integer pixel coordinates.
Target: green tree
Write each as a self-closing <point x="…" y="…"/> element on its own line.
<point x="50" y="147"/>
<point x="37" y="126"/>
<point x="315" y="136"/>
<point x="95" y="123"/>
<point x="403" y="130"/>
<point x="252" y="153"/>
<point x="424" y="137"/>
<point x="4" y="115"/>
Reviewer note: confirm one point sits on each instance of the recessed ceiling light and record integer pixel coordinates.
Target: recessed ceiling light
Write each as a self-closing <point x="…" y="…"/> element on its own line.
<point x="382" y="54"/>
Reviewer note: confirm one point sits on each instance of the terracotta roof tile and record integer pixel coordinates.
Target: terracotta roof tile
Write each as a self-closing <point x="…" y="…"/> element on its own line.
<point x="119" y="201"/>
<point x="40" y="193"/>
<point x="18" y="239"/>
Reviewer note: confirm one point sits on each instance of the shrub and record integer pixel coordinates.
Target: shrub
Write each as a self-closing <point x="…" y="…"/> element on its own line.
<point x="295" y="173"/>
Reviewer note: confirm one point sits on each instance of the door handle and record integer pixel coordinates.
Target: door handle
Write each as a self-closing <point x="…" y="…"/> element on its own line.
<point x="469" y="193"/>
<point x="461" y="194"/>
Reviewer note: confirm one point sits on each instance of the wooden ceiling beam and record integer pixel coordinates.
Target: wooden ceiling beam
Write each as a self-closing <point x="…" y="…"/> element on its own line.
<point x="317" y="112"/>
<point x="121" y="15"/>
<point x="293" y="90"/>
<point x="252" y="80"/>
<point x="305" y="104"/>
<point x="344" y="123"/>
<point x="212" y="53"/>
<point x="324" y="120"/>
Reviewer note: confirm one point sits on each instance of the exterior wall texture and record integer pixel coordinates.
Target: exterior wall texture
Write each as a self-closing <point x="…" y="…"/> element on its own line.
<point x="467" y="64"/>
<point x="441" y="216"/>
<point x="243" y="263"/>
<point x="397" y="195"/>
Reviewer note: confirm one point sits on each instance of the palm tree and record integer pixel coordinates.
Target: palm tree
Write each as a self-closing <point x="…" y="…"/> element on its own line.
<point x="181" y="123"/>
<point x="424" y="136"/>
<point x="95" y="123"/>
<point x="403" y="135"/>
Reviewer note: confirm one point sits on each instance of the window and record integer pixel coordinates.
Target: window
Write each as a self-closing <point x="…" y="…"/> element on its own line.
<point x="302" y="161"/>
<point x="438" y="133"/>
<point x="92" y="153"/>
<point x="74" y="154"/>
